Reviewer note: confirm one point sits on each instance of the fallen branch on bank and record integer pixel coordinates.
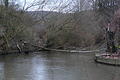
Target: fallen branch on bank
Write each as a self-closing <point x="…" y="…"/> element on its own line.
<point x="76" y="51"/>
<point x="42" y="48"/>
<point x="48" y="49"/>
<point x="71" y="51"/>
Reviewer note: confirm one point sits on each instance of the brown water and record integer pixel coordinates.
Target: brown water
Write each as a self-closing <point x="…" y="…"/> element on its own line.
<point x="55" y="66"/>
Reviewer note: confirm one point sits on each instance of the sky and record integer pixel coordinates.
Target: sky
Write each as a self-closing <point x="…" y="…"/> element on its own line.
<point x="50" y="4"/>
<point x="54" y="5"/>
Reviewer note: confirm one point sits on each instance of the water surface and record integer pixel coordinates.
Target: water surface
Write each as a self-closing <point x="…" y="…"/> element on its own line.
<point x="55" y="66"/>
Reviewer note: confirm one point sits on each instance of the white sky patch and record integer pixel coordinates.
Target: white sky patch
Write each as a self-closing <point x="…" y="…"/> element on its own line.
<point x="49" y="5"/>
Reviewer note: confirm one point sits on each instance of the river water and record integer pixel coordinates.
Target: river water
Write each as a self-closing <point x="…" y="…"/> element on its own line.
<point x="55" y="66"/>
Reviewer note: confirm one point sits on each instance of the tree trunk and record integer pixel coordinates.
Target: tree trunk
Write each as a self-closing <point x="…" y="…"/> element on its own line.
<point x="6" y="3"/>
<point x="110" y="42"/>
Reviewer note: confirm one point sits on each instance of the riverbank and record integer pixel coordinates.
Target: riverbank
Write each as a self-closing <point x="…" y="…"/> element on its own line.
<point x="109" y="59"/>
<point x="49" y="49"/>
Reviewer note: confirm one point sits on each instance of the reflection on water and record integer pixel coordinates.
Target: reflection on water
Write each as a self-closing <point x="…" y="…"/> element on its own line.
<point x="55" y="66"/>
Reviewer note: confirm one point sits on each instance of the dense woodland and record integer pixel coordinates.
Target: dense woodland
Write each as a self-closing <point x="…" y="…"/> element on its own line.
<point x="71" y="25"/>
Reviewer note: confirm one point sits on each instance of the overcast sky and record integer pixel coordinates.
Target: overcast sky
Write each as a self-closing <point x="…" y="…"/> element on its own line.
<point x="51" y="4"/>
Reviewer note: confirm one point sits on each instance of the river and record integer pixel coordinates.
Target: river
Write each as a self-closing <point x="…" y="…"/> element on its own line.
<point x="55" y="66"/>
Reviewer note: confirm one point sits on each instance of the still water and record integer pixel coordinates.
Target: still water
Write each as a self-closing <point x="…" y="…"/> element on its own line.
<point x="55" y="66"/>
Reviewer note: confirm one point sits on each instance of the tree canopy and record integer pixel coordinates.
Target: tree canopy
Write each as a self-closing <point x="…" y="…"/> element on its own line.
<point x="107" y="8"/>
